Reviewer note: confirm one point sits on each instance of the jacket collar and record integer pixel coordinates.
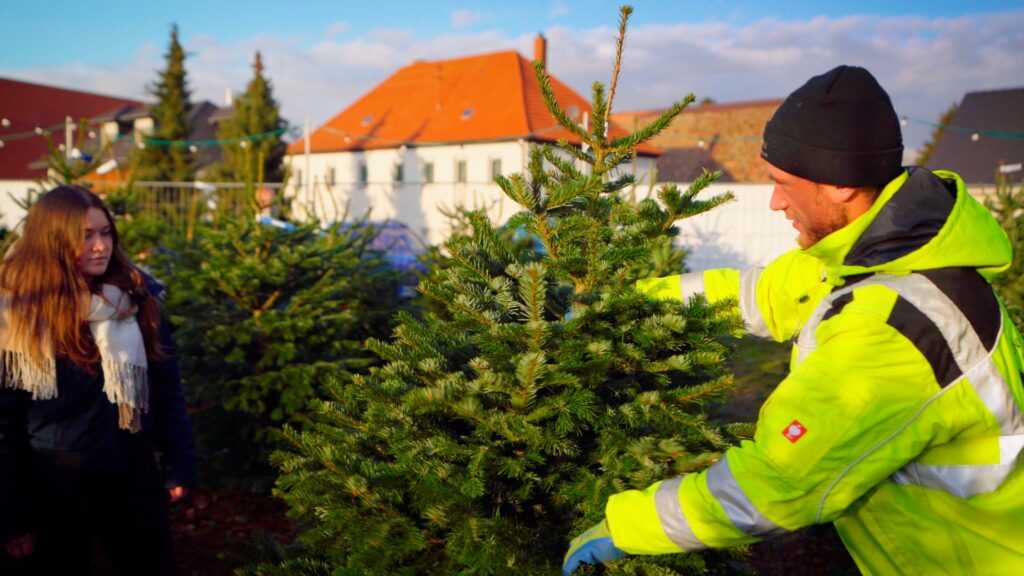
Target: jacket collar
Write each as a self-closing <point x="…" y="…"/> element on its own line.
<point x="921" y="220"/>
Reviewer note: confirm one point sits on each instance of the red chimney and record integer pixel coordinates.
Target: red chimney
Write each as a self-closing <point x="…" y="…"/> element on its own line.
<point x="540" y="49"/>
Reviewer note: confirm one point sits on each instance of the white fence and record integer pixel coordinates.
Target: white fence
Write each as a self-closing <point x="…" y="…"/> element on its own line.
<point x="745" y="232"/>
<point x="737" y="234"/>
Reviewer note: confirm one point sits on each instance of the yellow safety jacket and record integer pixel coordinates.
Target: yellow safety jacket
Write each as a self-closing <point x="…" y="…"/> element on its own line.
<point x="901" y="419"/>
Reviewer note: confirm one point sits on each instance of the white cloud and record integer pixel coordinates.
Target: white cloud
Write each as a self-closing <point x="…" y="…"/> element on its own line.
<point x="465" y="18"/>
<point x="558" y="10"/>
<point x="925" y="64"/>
<point x="337" y="29"/>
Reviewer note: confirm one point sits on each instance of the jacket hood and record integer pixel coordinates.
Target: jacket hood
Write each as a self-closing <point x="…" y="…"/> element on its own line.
<point x="922" y="220"/>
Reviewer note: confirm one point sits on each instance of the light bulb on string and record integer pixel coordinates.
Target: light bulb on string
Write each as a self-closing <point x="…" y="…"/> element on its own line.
<point x="975" y="137"/>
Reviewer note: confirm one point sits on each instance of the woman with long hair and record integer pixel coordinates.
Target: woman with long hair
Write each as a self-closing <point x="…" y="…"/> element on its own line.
<point x="89" y="393"/>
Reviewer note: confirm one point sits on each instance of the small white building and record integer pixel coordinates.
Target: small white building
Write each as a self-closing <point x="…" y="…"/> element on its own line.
<point x="431" y="138"/>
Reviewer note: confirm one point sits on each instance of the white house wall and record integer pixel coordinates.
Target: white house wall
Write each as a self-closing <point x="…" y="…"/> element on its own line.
<point x="415" y="202"/>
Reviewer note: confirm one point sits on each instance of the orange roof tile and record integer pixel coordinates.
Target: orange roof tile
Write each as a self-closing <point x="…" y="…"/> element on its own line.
<point x="724" y="137"/>
<point x="489" y="97"/>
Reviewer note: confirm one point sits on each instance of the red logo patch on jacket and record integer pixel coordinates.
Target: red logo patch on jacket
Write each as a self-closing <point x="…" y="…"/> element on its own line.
<point x="794" y="431"/>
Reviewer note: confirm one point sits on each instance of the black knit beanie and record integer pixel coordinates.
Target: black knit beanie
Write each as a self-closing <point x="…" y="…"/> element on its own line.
<point x="839" y="128"/>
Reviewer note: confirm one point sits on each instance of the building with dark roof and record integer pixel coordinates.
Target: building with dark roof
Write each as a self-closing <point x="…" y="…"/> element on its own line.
<point x="984" y="136"/>
<point x="124" y="128"/>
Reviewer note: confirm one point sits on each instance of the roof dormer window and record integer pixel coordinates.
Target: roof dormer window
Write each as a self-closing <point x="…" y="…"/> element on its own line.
<point x="367" y="119"/>
<point x="466" y="114"/>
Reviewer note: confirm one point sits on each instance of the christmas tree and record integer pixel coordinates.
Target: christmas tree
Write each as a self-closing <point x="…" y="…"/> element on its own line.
<point x="254" y="150"/>
<point x="499" y="423"/>
<point x="1007" y="205"/>
<point x="166" y="157"/>
<point x="262" y="316"/>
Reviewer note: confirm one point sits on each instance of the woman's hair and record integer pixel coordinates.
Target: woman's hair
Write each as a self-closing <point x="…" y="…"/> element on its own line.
<point x="47" y="295"/>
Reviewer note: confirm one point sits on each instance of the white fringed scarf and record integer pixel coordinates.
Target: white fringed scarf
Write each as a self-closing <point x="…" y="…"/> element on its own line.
<point x="122" y="354"/>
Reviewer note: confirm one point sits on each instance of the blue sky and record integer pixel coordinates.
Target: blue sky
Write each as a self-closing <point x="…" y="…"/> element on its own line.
<point x="322" y="55"/>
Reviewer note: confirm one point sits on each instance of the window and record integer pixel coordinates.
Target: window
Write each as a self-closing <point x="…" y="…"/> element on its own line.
<point x="460" y="171"/>
<point x="364" y="174"/>
<point x="428" y="172"/>
<point x="330" y="176"/>
<point x="399" y="172"/>
<point x="495" y="167"/>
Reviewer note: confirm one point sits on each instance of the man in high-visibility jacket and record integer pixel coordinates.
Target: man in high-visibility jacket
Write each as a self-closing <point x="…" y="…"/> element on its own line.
<point x="901" y="419"/>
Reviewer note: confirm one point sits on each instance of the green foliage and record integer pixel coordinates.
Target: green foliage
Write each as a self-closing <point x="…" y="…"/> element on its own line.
<point x="276" y="559"/>
<point x="498" y="424"/>
<point x="169" y="160"/>
<point x="1007" y="205"/>
<point x="262" y="316"/>
<point x="256" y="114"/>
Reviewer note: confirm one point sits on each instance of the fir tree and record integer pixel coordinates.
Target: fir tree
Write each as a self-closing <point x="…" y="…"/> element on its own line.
<point x="167" y="156"/>
<point x="1007" y="205"/>
<point x="262" y="316"/>
<point x="258" y="124"/>
<point x="498" y="426"/>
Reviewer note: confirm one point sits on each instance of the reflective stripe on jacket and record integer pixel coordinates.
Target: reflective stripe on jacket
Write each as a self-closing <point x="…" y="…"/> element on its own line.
<point x="901" y="418"/>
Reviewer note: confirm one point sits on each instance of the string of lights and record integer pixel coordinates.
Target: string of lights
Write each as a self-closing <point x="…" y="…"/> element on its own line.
<point x="974" y="132"/>
<point x="243" y="141"/>
<point x="218" y="142"/>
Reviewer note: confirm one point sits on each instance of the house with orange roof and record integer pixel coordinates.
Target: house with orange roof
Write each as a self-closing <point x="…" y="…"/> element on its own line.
<point x="432" y="137"/>
<point x="724" y="137"/>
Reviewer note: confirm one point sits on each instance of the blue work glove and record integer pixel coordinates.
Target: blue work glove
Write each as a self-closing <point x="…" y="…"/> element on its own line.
<point x="594" y="546"/>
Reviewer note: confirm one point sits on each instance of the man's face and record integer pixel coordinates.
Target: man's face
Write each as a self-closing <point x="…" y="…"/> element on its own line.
<point x="811" y="207"/>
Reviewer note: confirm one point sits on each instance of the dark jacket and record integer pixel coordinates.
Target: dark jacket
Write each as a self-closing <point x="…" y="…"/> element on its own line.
<point x="79" y="430"/>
